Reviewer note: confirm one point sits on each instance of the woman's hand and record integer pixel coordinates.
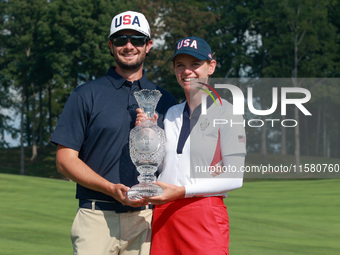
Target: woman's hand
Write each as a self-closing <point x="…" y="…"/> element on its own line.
<point x="170" y="193"/>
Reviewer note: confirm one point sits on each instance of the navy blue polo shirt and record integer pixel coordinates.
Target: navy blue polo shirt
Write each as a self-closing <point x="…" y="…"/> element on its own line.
<point x="96" y="121"/>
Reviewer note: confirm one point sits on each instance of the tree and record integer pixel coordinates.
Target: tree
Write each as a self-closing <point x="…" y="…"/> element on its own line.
<point x="48" y="47"/>
<point x="170" y="21"/>
<point x="297" y="41"/>
<point x="19" y="44"/>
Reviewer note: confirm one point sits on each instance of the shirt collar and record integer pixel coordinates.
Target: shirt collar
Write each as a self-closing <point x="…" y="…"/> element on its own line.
<point x="197" y="111"/>
<point x="118" y="81"/>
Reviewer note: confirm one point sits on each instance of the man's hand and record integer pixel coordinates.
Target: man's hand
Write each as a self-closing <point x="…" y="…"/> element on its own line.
<point x="119" y="192"/>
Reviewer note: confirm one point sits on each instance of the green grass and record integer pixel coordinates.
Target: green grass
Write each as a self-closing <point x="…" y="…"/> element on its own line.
<point x="285" y="217"/>
<point x="36" y="215"/>
<point x="266" y="217"/>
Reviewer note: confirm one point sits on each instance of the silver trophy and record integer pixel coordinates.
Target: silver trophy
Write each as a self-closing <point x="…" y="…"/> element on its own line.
<point x="146" y="146"/>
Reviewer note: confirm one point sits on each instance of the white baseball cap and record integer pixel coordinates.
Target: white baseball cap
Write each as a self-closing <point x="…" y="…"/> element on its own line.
<point x="130" y="20"/>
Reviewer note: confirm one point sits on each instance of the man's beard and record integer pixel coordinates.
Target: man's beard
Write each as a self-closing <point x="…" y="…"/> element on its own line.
<point x="129" y="66"/>
<point x="126" y="66"/>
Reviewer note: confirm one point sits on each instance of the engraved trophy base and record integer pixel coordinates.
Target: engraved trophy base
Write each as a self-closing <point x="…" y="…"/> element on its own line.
<point x="145" y="188"/>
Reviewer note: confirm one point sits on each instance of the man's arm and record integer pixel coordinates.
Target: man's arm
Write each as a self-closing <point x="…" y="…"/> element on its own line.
<point x="69" y="164"/>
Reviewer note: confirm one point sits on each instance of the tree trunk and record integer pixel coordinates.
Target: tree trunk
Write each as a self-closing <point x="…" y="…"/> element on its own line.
<point x="283" y="141"/>
<point x="34" y="142"/>
<point x="305" y="137"/>
<point x="297" y="138"/>
<point x="318" y="128"/>
<point x="28" y="119"/>
<point x="41" y="119"/>
<point x="22" y="148"/>
<point x="50" y="109"/>
<point x="296" y="110"/>
<point x="326" y="146"/>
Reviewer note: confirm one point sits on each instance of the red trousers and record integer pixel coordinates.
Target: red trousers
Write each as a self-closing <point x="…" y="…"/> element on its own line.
<point x="197" y="226"/>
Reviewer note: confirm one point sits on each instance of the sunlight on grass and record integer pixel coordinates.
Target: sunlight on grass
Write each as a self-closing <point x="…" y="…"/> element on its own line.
<point x="285" y="217"/>
<point x="291" y="217"/>
<point x="36" y="215"/>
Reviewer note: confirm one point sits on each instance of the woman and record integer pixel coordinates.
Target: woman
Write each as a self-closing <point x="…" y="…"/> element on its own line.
<point x="190" y="216"/>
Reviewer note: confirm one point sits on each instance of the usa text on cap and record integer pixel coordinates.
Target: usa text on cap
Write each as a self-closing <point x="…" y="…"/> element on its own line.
<point x="194" y="46"/>
<point x="130" y="20"/>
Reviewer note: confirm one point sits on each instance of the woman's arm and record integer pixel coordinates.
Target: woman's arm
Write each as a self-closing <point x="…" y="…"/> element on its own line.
<point x="226" y="181"/>
<point x="212" y="186"/>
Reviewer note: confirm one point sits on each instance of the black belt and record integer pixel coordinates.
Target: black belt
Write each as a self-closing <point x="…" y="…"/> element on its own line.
<point x="110" y="206"/>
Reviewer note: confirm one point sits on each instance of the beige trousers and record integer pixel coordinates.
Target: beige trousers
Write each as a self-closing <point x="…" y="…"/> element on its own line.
<point x="96" y="232"/>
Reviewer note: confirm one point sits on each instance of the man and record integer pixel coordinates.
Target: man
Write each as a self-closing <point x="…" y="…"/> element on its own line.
<point x="93" y="146"/>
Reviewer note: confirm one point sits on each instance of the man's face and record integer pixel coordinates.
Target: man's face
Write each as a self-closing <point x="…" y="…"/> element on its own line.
<point x="129" y="56"/>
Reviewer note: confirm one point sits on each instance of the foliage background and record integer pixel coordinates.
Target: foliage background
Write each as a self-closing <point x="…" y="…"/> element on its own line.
<point x="48" y="47"/>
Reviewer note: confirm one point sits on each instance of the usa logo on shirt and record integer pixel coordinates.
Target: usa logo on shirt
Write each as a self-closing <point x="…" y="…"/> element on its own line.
<point x="241" y="138"/>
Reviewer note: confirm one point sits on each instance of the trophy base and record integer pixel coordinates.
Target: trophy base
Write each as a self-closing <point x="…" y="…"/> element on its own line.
<point x="144" y="190"/>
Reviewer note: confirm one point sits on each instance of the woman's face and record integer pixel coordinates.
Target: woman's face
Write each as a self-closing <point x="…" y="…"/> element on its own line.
<point x="188" y="69"/>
